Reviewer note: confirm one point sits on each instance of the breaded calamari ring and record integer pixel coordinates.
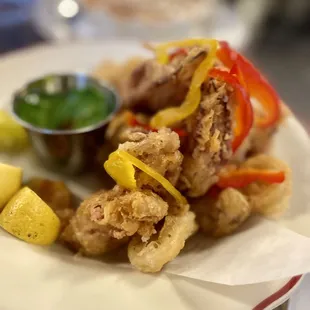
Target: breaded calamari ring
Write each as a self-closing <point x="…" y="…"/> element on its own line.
<point x="153" y="255"/>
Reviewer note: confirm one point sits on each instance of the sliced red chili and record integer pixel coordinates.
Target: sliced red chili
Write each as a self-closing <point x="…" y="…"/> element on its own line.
<point x="257" y="85"/>
<point x="178" y="52"/>
<point x="243" y="177"/>
<point x="243" y="112"/>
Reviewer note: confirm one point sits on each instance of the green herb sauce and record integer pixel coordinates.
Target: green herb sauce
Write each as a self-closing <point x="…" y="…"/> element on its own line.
<point x="72" y="109"/>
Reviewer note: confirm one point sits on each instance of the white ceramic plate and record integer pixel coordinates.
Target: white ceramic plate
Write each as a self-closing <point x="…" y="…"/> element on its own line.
<point x="38" y="278"/>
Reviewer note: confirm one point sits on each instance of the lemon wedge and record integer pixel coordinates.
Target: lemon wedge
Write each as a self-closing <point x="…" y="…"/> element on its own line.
<point x="10" y="182"/>
<point x="29" y="218"/>
<point x="13" y="137"/>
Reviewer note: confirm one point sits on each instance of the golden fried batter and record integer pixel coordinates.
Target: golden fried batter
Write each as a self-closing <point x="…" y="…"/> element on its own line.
<point x="116" y="74"/>
<point x="87" y="236"/>
<point x="259" y="140"/>
<point x="154" y="86"/>
<point x="106" y="220"/>
<point x="129" y="212"/>
<point x="57" y="195"/>
<point x="268" y="199"/>
<point x="119" y="129"/>
<point x="151" y="256"/>
<point x="160" y="151"/>
<point x="222" y="215"/>
<point x="209" y="140"/>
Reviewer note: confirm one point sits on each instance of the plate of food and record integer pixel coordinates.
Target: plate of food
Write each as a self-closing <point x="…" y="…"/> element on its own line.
<point x="164" y="175"/>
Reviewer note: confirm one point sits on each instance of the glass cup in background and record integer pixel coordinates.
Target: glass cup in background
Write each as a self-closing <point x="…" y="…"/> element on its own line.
<point x="100" y="19"/>
<point x="72" y="19"/>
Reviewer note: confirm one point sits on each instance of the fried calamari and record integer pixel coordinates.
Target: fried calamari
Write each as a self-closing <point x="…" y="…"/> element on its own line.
<point x="208" y="146"/>
<point x="104" y="221"/>
<point x="86" y="236"/>
<point x="153" y="86"/>
<point x="268" y="199"/>
<point x="57" y="195"/>
<point x="119" y="129"/>
<point x="116" y="74"/>
<point x="152" y="255"/>
<point x="221" y="215"/>
<point x="160" y="151"/>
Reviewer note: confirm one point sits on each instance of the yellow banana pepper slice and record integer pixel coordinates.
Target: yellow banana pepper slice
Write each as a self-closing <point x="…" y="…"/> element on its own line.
<point x="121" y="170"/>
<point x="120" y="166"/>
<point x="170" y="116"/>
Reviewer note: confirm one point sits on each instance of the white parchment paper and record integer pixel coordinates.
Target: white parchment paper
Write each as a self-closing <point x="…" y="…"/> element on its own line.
<point x="263" y="250"/>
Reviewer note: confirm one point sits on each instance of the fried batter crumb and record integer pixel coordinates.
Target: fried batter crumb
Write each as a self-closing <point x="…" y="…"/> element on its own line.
<point x="160" y="151"/>
<point x="104" y="221"/>
<point x="209" y="140"/>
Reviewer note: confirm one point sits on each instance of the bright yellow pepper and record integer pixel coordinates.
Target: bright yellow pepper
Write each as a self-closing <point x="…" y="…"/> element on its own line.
<point x="170" y="116"/>
<point x="120" y="166"/>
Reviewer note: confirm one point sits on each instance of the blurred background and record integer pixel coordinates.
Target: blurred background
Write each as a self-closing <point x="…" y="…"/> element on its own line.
<point x="275" y="34"/>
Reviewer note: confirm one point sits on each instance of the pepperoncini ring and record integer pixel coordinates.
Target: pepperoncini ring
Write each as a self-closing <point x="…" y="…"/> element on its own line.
<point x="120" y="166"/>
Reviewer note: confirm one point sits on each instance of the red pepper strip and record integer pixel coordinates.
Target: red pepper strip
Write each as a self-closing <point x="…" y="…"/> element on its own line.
<point x="214" y="191"/>
<point x="235" y="70"/>
<point x="226" y="54"/>
<point x="133" y="122"/>
<point x="182" y="133"/>
<point x="243" y="111"/>
<point x="243" y="177"/>
<point x="257" y="85"/>
<point x="178" y="52"/>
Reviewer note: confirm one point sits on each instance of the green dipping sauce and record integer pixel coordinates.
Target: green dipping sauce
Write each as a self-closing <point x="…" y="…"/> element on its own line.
<point x="65" y="108"/>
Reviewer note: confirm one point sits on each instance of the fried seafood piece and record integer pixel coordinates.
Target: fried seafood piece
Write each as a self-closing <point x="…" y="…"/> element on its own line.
<point x="260" y="139"/>
<point x="86" y="236"/>
<point x="104" y="221"/>
<point x="119" y="128"/>
<point x="152" y="255"/>
<point x="57" y="195"/>
<point x="119" y="131"/>
<point x="221" y="215"/>
<point x="160" y="151"/>
<point x="153" y="86"/>
<point x="129" y="212"/>
<point x="268" y="199"/>
<point x="208" y="146"/>
<point x="116" y="74"/>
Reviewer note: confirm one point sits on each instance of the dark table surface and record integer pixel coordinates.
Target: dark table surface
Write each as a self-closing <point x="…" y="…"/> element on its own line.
<point x="17" y="37"/>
